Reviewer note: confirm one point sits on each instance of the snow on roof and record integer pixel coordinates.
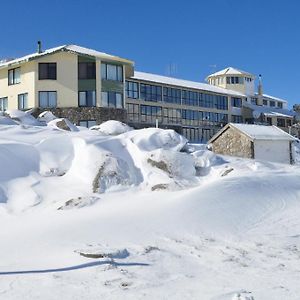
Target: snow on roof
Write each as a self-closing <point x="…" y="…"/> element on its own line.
<point x="69" y="48"/>
<point x="256" y="132"/>
<point x="183" y="83"/>
<point x="273" y="98"/>
<point x="270" y="111"/>
<point x="230" y="71"/>
<point x="262" y="132"/>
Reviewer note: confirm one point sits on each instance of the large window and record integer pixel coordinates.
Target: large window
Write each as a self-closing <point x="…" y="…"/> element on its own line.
<point x="87" y="98"/>
<point x="47" y="99"/>
<point x="190" y="98"/>
<point x="3" y="104"/>
<point x="47" y="71"/>
<point x="111" y="72"/>
<point x="191" y="117"/>
<point x="254" y="101"/>
<point x="213" y="101"/>
<point x="87" y="123"/>
<point x="171" y="116"/>
<point x="86" y="70"/>
<point x="172" y="95"/>
<point x="112" y="99"/>
<point x="149" y="114"/>
<point x="14" y="76"/>
<point x="151" y="92"/>
<point x="265" y="102"/>
<point x="236" y="102"/>
<point x="133" y="112"/>
<point x="23" y="101"/>
<point x="279" y="104"/>
<point x="280" y="122"/>
<point x="132" y="89"/>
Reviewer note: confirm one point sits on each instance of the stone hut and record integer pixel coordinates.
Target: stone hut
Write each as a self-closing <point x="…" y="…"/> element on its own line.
<point x="254" y="141"/>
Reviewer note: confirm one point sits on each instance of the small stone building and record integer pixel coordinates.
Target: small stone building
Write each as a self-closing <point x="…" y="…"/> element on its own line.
<point x="254" y="141"/>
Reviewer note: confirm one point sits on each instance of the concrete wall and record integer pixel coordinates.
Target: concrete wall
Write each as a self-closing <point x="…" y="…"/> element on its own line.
<point x="232" y="142"/>
<point x="26" y="85"/>
<point x="276" y="151"/>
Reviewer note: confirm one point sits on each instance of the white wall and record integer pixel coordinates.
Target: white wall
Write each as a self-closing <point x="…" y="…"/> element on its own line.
<point x="276" y="151"/>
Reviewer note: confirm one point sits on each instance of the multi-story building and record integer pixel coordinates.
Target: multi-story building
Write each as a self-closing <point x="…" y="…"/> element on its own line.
<point x="89" y="87"/>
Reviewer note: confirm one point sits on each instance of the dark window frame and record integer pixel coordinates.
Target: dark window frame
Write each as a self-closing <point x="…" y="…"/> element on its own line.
<point x="90" y="70"/>
<point x="13" y="76"/>
<point x="49" y="74"/>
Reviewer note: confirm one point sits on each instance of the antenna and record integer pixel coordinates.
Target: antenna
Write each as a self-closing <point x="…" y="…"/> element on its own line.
<point x="171" y="69"/>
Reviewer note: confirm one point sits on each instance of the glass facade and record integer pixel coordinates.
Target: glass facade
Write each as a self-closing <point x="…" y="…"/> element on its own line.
<point x="149" y="114"/>
<point x="236" y="102"/>
<point x="151" y="92"/>
<point x="172" y="95"/>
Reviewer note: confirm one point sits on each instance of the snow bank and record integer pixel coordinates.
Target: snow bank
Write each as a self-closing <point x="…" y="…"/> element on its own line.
<point x="62" y="124"/>
<point x="23" y="117"/>
<point x="112" y="128"/>
<point x="150" y="139"/>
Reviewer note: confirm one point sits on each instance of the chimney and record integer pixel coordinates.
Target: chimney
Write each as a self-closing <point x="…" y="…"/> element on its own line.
<point x="39" y="47"/>
<point x="260" y="88"/>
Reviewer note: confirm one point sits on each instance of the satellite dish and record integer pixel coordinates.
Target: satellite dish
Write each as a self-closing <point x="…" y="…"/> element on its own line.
<point x="256" y="114"/>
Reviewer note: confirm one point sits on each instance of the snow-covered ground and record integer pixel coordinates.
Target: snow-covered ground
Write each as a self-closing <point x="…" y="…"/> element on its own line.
<point x="95" y="214"/>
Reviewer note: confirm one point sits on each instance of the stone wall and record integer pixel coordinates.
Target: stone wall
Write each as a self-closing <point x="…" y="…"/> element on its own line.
<point x="76" y="114"/>
<point x="232" y="142"/>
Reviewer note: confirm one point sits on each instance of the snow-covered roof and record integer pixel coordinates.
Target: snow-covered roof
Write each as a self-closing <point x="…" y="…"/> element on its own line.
<point x="270" y="111"/>
<point x="230" y="71"/>
<point x="183" y="83"/>
<point x="273" y="98"/>
<point x="257" y="132"/>
<point x="68" y="48"/>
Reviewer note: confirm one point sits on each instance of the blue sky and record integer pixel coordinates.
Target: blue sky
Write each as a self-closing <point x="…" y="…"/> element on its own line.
<point x="195" y="37"/>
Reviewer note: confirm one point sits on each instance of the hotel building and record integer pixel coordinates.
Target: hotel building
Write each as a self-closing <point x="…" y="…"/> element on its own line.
<point x="89" y="87"/>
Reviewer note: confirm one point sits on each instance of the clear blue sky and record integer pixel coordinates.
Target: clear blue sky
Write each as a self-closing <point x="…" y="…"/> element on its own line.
<point x="256" y="36"/>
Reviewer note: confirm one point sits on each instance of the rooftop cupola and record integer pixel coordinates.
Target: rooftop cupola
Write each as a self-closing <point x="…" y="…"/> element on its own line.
<point x="233" y="79"/>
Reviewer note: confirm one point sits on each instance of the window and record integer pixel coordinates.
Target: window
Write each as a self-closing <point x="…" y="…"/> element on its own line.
<point x="111" y="72"/>
<point x="190" y="98"/>
<point x="272" y="103"/>
<point x="87" y="123"/>
<point x="265" y="102"/>
<point x="279" y="104"/>
<point x="171" y="116"/>
<point x="234" y="80"/>
<point x="3" y="104"/>
<point x="112" y="99"/>
<point x="132" y="112"/>
<point x="149" y="114"/>
<point x="190" y="117"/>
<point x="236" y="102"/>
<point x="14" y="76"/>
<point x="87" y="98"/>
<point x="288" y="122"/>
<point x="23" y="101"/>
<point x="280" y="122"/>
<point x="151" y="92"/>
<point x="86" y="70"/>
<point x="254" y="101"/>
<point x="47" y="71"/>
<point x="47" y="99"/>
<point x="172" y="95"/>
<point x="132" y="89"/>
<point x="236" y="119"/>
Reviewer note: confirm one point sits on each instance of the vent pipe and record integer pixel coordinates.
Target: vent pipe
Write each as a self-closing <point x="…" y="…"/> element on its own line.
<point x="39" y="47"/>
<point x="260" y="87"/>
